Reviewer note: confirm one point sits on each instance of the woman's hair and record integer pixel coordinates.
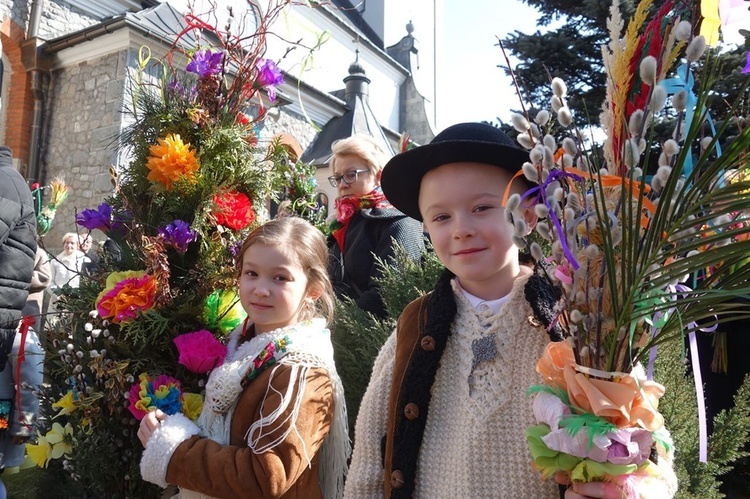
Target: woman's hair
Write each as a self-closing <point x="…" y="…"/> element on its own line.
<point x="70" y="235"/>
<point x="365" y="148"/>
<point x="308" y="244"/>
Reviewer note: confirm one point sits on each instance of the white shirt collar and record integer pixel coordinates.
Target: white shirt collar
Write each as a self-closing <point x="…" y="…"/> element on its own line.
<point x="478" y="303"/>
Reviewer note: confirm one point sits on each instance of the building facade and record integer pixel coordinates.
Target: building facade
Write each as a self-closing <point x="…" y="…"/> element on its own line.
<point x="67" y="67"/>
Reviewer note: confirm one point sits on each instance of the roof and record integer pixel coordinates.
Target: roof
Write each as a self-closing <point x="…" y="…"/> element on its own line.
<point x="162" y="22"/>
<point x="357" y="120"/>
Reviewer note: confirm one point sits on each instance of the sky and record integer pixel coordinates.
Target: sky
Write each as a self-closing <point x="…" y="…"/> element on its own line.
<point x="472" y="87"/>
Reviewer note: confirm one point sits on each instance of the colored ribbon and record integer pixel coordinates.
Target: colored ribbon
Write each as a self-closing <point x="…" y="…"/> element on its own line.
<point x="685" y="81"/>
<point x="659" y="320"/>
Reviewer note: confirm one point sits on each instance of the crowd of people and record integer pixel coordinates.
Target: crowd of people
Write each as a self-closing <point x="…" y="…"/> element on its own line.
<point x="446" y="408"/>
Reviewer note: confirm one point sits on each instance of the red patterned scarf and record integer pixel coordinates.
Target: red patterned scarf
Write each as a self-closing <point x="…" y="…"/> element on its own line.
<point x="349" y="206"/>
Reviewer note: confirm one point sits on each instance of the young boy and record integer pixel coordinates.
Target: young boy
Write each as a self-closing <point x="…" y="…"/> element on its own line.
<point x="446" y="409"/>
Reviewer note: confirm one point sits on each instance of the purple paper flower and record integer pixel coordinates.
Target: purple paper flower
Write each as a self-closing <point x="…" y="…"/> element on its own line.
<point x="269" y="77"/>
<point x="205" y="63"/>
<point x="176" y="89"/>
<point x="100" y="218"/>
<point x="179" y="235"/>
<point x="747" y="66"/>
<point x="629" y="446"/>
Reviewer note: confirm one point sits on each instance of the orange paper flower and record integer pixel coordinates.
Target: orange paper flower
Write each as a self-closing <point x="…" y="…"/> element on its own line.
<point x="626" y="401"/>
<point x="556" y="357"/>
<point x="170" y="160"/>
<point x="126" y="295"/>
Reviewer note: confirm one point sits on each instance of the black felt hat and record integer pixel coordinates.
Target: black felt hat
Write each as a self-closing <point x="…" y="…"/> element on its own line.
<point x="465" y="142"/>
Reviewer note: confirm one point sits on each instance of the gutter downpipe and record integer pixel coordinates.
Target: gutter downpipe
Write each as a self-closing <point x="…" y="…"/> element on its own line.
<point x="37" y="91"/>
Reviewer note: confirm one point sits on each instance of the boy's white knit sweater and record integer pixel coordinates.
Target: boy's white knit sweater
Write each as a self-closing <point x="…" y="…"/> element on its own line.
<point x="474" y="443"/>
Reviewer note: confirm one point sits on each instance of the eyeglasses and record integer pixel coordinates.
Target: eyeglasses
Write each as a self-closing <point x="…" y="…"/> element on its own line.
<point x="349" y="177"/>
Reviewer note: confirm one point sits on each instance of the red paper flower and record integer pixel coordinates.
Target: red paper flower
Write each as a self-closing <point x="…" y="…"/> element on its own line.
<point x="233" y="209"/>
<point x="200" y="351"/>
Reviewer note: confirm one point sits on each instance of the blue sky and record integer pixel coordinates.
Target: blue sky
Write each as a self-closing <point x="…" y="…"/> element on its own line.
<point x="472" y="87"/>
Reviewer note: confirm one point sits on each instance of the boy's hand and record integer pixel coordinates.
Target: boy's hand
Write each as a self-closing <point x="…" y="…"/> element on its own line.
<point x="149" y="424"/>
<point x="605" y="490"/>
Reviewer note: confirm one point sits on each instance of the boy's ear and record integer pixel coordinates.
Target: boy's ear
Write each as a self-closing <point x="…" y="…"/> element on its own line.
<point x="530" y="217"/>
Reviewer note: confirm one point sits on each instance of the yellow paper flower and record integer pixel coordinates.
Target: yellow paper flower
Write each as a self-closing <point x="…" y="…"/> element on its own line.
<point x="170" y="160"/>
<point x="40" y="452"/>
<point x="192" y="404"/>
<point x="67" y="404"/>
<point x="61" y="440"/>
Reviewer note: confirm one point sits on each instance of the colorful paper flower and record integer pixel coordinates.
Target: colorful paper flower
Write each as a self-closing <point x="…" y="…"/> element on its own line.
<point x="100" y="218"/>
<point x="126" y="294"/>
<point x="269" y="77"/>
<point x="200" y="351"/>
<point x="67" y="404"/>
<point x="233" y="209"/>
<point x="171" y="160"/>
<point x="179" y="235"/>
<point x="163" y="393"/>
<point x="192" y="405"/>
<point x="40" y="452"/>
<point x="205" y="63"/>
<point x="223" y="310"/>
<point x="61" y="440"/>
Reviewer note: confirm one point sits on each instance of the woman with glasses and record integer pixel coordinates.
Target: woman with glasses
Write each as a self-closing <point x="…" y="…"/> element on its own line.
<point x="365" y="224"/>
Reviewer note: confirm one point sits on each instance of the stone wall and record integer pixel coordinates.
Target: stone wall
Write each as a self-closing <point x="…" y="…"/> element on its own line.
<point x="60" y="18"/>
<point x="15" y="10"/>
<point x="84" y="121"/>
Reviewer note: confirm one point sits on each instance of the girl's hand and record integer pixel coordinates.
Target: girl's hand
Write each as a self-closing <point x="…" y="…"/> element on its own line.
<point x="149" y="424"/>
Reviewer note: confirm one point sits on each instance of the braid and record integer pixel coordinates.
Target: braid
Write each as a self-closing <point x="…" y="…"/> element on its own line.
<point x="418" y="380"/>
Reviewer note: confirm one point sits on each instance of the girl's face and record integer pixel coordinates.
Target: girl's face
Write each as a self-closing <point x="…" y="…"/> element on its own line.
<point x="365" y="182"/>
<point x="273" y="287"/>
<point x="70" y="245"/>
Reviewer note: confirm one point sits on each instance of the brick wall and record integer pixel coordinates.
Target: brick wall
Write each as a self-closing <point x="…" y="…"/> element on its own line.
<point x="19" y="104"/>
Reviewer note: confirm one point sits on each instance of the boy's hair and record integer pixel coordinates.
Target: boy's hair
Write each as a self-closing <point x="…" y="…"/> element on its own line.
<point x="308" y="245"/>
<point x="363" y="147"/>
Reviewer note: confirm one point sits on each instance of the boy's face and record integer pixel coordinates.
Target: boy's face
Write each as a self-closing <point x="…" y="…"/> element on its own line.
<point x="461" y="205"/>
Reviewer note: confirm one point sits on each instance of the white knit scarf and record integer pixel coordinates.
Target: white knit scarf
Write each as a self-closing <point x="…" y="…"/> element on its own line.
<point x="309" y="347"/>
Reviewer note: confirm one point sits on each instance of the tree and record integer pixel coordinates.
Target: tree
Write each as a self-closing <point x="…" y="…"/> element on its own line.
<point x="573" y="53"/>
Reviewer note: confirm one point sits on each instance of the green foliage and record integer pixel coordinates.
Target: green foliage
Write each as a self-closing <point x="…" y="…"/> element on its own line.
<point x="358" y="335"/>
<point x="680" y="411"/>
<point x="572" y="52"/>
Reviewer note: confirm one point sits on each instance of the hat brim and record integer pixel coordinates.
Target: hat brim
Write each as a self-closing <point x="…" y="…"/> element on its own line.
<point x="402" y="175"/>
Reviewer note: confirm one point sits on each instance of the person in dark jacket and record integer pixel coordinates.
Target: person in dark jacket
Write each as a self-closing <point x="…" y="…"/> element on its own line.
<point x="17" y="249"/>
<point x="366" y="225"/>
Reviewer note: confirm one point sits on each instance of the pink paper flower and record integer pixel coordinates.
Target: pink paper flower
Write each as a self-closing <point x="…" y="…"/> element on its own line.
<point x="200" y="351"/>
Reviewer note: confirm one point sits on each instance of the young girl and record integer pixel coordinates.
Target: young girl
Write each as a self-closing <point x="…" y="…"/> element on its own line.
<point x="274" y="420"/>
